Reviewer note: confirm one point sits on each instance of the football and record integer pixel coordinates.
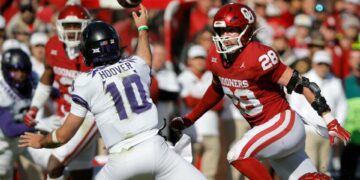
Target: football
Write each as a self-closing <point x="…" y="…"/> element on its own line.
<point x="129" y="3"/>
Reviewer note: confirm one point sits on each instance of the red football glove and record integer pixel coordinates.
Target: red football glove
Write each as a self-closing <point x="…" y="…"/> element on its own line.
<point x="335" y="130"/>
<point x="180" y="123"/>
<point x="29" y="118"/>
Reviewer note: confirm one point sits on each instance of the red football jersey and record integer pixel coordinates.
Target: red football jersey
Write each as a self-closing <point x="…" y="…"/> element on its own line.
<point x="251" y="82"/>
<point x="65" y="71"/>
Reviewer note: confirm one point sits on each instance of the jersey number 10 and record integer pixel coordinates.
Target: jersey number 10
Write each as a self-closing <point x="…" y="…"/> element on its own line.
<point x="135" y="94"/>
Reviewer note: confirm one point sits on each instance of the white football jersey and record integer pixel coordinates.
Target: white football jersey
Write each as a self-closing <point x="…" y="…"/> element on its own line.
<point x="10" y="99"/>
<point x="118" y="96"/>
<point x="17" y="106"/>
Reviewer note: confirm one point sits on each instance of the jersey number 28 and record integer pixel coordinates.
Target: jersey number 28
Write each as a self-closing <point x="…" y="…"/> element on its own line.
<point x="268" y="60"/>
<point x="245" y="100"/>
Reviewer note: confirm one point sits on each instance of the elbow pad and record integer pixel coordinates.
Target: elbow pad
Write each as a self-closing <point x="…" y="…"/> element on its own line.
<point x="298" y="83"/>
<point x="294" y="80"/>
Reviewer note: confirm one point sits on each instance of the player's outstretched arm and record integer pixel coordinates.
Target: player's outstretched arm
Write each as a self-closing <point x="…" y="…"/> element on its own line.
<point x="143" y="50"/>
<point x="212" y="96"/>
<point x="41" y="95"/>
<point x="302" y="85"/>
<point x="54" y="139"/>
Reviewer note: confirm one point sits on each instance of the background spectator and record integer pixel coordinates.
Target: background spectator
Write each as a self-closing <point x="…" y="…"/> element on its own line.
<point x="194" y="81"/>
<point x="168" y="85"/>
<point x="37" y="47"/>
<point x="351" y="153"/>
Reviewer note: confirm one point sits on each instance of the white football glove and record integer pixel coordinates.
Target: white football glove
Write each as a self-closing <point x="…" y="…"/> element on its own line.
<point x="49" y="124"/>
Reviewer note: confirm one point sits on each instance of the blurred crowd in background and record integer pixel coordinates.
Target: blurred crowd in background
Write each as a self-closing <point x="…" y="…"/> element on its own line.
<point x="319" y="38"/>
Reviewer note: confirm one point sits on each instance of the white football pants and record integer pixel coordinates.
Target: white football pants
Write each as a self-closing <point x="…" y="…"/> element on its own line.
<point x="151" y="159"/>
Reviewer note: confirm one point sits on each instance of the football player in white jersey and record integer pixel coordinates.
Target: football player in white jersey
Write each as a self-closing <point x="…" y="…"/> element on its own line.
<point x="16" y="87"/>
<point x="116" y="91"/>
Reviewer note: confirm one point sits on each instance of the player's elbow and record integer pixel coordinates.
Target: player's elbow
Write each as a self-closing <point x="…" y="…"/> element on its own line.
<point x="62" y="137"/>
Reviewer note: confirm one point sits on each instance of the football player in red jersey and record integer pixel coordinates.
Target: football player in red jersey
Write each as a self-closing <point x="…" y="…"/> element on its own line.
<point x="253" y="76"/>
<point x="63" y="63"/>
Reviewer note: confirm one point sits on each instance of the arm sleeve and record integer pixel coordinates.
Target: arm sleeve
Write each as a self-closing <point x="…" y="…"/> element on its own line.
<point x="78" y="109"/>
<point x="212" y="96"/>
<point x="8" y="125"/>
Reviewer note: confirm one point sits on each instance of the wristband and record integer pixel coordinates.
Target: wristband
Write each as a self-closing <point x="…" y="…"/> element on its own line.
<point x="54" y="138"/>
<point x="143" y="28"/>
<point x="328" y="118"/>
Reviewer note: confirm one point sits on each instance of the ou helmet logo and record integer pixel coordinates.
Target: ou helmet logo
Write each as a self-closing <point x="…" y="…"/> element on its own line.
<point x="247" y="15"/>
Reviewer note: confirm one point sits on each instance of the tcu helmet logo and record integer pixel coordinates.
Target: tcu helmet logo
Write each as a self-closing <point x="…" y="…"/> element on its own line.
<point x="248" y="15"/>
<point x="97" y="50"/>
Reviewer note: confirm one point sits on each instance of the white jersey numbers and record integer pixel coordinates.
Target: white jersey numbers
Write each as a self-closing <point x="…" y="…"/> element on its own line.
<point x="268" y="60"/>
<point x="245" y="98"/>
<point x="134" y="93"/>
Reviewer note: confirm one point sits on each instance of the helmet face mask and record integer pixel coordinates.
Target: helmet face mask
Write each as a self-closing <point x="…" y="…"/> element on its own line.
<point x="234" y="25"/>
<point x="71" y="32"/>
<point x="71" y="21"/>
<point x="226" y="43"/>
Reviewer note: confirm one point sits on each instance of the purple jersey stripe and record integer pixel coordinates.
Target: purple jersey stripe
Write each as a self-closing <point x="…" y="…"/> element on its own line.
<point x="79" y="100"/>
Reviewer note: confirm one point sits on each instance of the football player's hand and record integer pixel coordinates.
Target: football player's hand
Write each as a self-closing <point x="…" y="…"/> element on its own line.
<point x="29" y="118"/>
<point x="141" y="17"/>
<point x="180" y="123"/>
<point x="335" y="130"/>
<point x="31" y="140"/>
<point x="49" y="124"/>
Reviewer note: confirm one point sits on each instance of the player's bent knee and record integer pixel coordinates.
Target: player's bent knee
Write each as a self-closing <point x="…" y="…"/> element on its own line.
<point x="55" y="168"/>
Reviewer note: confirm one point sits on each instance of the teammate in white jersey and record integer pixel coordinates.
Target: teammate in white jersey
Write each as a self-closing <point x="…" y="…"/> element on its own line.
<point x="16" y="87"/>
<point x="116" y="91"/>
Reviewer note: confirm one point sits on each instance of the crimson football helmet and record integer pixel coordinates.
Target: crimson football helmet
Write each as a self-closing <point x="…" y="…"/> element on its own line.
<point x="72" y="14"/>
<point x="233" y="17"/>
